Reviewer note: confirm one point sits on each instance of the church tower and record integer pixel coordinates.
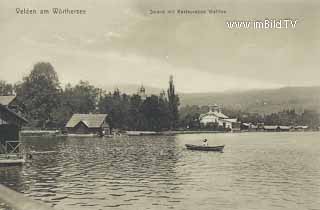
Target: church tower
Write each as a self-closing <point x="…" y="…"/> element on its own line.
<point x="142" y="93"/>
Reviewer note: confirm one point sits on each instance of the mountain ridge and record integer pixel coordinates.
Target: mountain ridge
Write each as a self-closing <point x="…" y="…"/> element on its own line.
<point x="263" y="101"/>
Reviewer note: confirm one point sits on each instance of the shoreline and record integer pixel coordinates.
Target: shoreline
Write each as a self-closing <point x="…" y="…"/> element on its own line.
<point x="57" y="133"/>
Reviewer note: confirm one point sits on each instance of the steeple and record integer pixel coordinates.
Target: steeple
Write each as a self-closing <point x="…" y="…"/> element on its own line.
<point x="142" y="93"/>
<point x="214" y="108"/>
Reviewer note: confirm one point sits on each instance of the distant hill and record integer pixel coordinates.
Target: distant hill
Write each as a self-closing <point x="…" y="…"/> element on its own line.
<point x="255" y="101"/>
<point x="259" y="101"/>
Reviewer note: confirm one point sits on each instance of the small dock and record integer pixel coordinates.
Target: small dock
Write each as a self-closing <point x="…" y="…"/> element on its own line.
<point x="12" y="162"/>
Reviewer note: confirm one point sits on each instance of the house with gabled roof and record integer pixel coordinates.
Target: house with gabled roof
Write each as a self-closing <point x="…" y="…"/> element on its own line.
<point x="88" y="124"/>
<point x="8" y="112"/>
<point x="10" y="121"/>
<point x="7" y="100"/>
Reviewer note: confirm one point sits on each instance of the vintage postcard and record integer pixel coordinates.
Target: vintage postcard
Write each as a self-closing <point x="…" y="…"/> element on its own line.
<point x="159" y="104"/>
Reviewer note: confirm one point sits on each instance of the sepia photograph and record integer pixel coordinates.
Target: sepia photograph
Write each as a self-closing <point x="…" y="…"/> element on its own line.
<point x="159" y="105"/>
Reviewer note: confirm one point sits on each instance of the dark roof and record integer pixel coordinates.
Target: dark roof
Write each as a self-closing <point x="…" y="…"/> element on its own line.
<point x="90" y="120"/>
<point x="6" y="100"/>
<point x="12" y="113"/>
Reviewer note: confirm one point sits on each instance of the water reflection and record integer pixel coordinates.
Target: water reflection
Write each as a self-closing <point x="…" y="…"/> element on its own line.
<point x="256" y="171"/>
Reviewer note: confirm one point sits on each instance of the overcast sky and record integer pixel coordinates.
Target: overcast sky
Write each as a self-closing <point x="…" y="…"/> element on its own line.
<point x="119" y="42"/>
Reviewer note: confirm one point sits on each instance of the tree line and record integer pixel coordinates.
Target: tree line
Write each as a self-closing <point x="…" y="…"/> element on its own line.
<point x="46" y="104"/>
<point x="189" y="117"/>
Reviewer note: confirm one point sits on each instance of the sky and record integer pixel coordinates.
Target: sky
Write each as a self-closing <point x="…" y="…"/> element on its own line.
<point x="120" y="42"/>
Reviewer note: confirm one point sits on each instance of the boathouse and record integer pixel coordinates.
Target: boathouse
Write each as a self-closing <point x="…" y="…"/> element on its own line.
<point x="276" y="128"/>
<point x="88" y="124"/>
<point x="10" y="121"/>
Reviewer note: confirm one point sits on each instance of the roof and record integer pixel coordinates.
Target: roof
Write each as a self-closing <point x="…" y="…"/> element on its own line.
<point x="284" y="127"/>
<point x="215" y="113"/>
<point x="14" y="114"/>
<point x="273" y="127"/>
<point x="6" y="100"/>
<point x="301" y="127"/>
<point x="270" y="127"/>
<point x="90" y="120"/>
<point x="232" y="120"/>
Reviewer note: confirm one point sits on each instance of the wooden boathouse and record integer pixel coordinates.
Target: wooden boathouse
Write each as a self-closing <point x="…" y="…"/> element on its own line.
<point x="88" y="124"/>
<point x="10" y="126"/>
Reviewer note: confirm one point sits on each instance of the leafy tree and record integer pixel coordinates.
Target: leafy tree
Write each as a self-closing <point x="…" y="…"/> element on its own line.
<point x="174" y="103"/>
<point x="39" y="93"/>
<point x="164" y="112"/>
<point x="151" y="111"/>
<point x="136" y="118"/>
<point x="6" y="89"/>
<point x="117" y="107"/>
<point x="81" y="98"/>
<point x="310" y="118"/>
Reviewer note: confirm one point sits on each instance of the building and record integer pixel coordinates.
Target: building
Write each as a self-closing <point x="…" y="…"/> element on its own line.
<point x="9" y="102"/>
<point x="276" y="128"/>
<point x="215" y="118"/>
<point x="10" y="121"/>
<point x="249" y="127"/>
<point x="301" y="128"/>
<point x="88" y="124"/>
<point x="142" y="93"/>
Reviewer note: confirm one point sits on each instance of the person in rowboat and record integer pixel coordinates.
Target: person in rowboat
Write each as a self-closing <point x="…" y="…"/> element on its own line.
<point x="205" y="142"/>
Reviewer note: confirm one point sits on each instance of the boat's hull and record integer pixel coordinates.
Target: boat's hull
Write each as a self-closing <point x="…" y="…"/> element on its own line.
<point x="205" y="148"/>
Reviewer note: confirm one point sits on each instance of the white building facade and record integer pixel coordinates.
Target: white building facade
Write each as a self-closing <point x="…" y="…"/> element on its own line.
<point x="216" y="117"/>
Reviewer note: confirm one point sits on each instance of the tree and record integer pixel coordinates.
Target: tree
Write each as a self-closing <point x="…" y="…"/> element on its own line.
<point x="310" y="118"/>
<point x="136" y="117"/>
<point x="6" y="89"/>
<point x="40" y="93"/>
<point x="117" y="107"/>
<point x="81" y="98"/>
<point x="174" y="103"/>
<point x="164" y="112"/>
<point x="152" y="114"/>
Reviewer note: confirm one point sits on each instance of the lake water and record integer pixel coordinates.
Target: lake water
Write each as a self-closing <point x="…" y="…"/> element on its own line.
<point x="260" y="171"/>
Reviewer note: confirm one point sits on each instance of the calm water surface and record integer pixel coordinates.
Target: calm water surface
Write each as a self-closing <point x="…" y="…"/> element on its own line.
<point x="256" y="171"/>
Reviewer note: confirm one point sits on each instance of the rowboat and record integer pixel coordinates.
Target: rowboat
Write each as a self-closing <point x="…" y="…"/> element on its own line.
<point x="205" y="148"/>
